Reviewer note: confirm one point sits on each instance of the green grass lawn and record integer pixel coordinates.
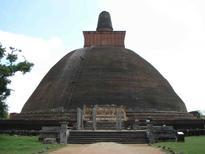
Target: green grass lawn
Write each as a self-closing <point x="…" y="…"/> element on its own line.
<point x="24" y="145"/>
<point x="192" y="145"/>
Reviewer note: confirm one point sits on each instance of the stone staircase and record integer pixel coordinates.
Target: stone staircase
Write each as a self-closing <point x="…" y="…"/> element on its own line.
<point x="123" y="136"/>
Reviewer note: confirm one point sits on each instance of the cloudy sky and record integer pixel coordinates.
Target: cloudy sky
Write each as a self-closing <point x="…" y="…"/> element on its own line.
<point x="168" y="34"/>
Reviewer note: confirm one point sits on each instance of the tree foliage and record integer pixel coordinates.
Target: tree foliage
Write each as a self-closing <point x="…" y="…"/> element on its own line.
<point x="9" y="65"/>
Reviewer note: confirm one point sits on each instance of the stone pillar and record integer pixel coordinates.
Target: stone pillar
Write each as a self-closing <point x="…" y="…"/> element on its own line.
<point x="79" y="119"/>
<point x="118" y="119"/>
<point x="64" y="133"/>
<point x="94" y="117"/>
<point x="82" y="118"/>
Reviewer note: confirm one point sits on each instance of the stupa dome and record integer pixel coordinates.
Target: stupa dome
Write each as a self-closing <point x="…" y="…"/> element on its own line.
<point x="104" y="75"/>
<point x="104" y="72"/>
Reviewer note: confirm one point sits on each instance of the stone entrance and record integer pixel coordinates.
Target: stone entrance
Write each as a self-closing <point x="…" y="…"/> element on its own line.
<point x="101" y="117"/>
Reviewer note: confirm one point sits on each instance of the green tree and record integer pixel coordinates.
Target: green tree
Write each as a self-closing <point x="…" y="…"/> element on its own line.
<point x="9" y="65"/>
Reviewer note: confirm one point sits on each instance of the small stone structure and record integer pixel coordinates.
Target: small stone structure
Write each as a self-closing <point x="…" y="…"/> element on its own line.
<point x="58" y="134"/>
<point x="64" y="133"/>
<point x="161" y="133"/>
<point x="49" y="141"/>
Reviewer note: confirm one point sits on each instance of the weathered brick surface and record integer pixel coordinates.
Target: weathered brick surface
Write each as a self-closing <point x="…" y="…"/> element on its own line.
<point x="113" y="38"/>
<point x="104" y="75"/>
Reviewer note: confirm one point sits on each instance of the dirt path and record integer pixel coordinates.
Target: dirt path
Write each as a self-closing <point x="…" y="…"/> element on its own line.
<point x="108" y="148"/>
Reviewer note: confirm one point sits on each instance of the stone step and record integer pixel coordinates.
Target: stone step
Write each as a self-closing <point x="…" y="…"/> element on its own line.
<point x="126" y="141"/>
<point x="85" y="137"/>
<point x="107" y="134"/>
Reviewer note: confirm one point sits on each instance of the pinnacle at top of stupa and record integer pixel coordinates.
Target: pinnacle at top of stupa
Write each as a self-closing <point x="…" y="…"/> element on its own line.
<point x="104" y="22"/>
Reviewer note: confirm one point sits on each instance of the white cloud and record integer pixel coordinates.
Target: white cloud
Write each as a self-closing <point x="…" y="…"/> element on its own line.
<point x="43" y="53"/>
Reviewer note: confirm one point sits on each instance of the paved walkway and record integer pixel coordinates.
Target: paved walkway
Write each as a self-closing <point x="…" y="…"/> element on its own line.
<point x="108" y="148"/>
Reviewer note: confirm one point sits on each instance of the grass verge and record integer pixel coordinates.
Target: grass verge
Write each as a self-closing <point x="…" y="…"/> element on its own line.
<point x="192" y="145"/>
<point x="24" y="145"/>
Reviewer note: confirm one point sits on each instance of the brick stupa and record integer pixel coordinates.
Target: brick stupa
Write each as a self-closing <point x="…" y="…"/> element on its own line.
<point x="104" y="73"/>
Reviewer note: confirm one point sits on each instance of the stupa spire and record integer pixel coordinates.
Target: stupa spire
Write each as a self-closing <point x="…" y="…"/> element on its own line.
<point x="104" y="22"/>
<point x="104" y="34"/>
